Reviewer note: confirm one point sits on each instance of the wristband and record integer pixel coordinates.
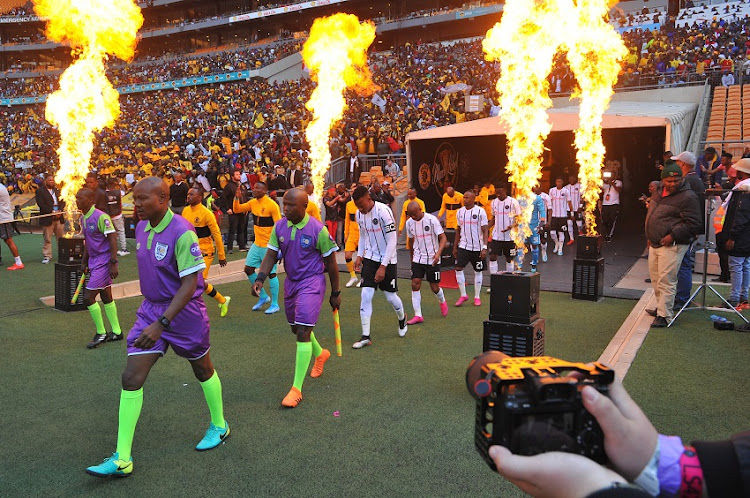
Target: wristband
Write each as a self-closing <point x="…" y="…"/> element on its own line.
<point x="261" y="277"/>
<point x="113" y="261"/>
<point x="164" y="321"/>
<point x="691" y="474"/>
<point x="648" y="479"/>
<point x="335" y="293"/>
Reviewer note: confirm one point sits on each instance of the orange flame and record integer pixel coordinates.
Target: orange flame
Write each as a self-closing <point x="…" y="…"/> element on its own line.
<point x="525" y="42"/>
<point x="595" y="59"/>
<point x="336" y="55"/>
<point x="86" y="101"/>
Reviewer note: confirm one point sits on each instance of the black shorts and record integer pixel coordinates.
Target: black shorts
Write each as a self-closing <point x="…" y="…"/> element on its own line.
<point x="464" y="257"/>
<point x="426" y="272"/>
<point x="559" y="225"/>
<point x="503" y="248"/>
<point x="578" y="215"/>
<point x="6" y="231"/>
<point x="388" y="284"/>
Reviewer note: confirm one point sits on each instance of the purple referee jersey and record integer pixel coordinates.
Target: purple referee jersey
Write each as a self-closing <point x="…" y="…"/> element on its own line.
<point x="96" y="226"/>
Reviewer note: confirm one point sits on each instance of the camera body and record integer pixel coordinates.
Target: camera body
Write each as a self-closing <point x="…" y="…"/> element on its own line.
<point x="533" y="405"/>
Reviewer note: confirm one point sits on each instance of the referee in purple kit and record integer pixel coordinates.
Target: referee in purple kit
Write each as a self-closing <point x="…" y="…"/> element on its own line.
<point x="309" y="252"/>
<point x="170" y="265"/>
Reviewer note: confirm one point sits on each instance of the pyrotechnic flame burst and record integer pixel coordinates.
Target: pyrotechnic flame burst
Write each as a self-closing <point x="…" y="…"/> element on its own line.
<point x="336" y="55"/>
<point x="86" y="101"/>
<point x="525" y="42"/>
<point x="595" y="59"/>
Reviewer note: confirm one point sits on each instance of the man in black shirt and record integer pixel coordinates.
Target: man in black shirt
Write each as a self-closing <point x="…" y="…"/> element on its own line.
<point x="236" y="220"/>
<point x="178" y="193"/>
<point x="114" y="208"/>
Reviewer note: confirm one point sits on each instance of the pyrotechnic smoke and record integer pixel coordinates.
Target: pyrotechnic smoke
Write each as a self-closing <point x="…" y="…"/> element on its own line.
<point x="336" y="55"/>
<point x="86" y="101"/>
<point x="525" y="42"/>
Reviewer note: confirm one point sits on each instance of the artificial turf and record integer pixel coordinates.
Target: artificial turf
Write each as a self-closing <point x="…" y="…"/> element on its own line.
<point x="404" y="424"/>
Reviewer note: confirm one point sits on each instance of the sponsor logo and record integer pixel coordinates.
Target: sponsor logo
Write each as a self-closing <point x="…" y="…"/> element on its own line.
<point x="281" y="239"/>
<point x="160" y="251"/>
<point x="425" y="176"/>
<point x="195" y="249"/>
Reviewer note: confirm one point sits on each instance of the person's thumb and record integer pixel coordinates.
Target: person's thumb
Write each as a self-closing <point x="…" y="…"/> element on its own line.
<point x="508" y="464"/>
<point x="604" y="411"/>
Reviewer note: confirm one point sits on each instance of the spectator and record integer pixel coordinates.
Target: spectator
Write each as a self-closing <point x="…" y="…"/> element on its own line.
<point x="49" y="201"/>
<point x="178" y="192"/>
<point x="353" y="169"/>
<point x="236" y="220"/>
<point x="672" y="223"/>
<point x="6" y="228"/>
<point x="114" y="208"/>
<point x="706" y="162"/>
<point x="330" y="201"/>
<point x="392" y="169"/>
<point x="727" y="80"/>
<point x="735" y="235"/>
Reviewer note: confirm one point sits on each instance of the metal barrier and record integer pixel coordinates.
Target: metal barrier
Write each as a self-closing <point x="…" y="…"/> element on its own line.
<point x="337" y="172"/>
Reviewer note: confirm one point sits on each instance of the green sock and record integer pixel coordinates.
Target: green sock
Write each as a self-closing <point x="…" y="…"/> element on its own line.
<point x="273" y="284"/>
<point x="316" y="349"/>
<point x="96" y="315"/>
<point x="111" y="310"/>
<point x="212" y="392"/>
<point x="130" y="409"/>
<point x="304" y="354"/>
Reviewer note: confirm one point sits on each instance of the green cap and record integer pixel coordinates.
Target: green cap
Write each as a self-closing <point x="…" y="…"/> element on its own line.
<point x="671" y="170"/>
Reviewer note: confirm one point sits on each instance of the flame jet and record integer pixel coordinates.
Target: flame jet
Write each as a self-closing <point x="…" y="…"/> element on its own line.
<point x="86" y="101"/>
<point x="336" y="55"/>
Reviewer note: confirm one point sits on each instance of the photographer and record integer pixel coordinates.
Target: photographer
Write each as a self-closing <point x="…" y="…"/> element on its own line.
<point x="657" y="464"/>
<point x="610" y="203"/>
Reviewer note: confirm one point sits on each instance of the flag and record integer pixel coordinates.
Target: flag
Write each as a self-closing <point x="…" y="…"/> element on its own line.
<point x="446" y="103"/>
<point x="259" y="120"/>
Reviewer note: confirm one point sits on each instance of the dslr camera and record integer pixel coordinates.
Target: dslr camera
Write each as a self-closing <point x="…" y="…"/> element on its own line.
<point x="533" y="405"/>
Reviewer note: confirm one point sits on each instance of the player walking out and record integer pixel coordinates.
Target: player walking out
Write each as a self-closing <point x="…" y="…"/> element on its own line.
<point x="376" y="260"/>
<point x="506" y="211"/>
<point x="265" y="213"/>
<point x="427" y="243"/>
<point x="100" y="265"/>
<point x="209" y="235"/>
<point x="172" y="314"/>
<point x="560" y="199"/>
<point x="309" y="253"/>
<point x="536" y="224"/>
<point x="470" y="246"/>
<point x="545" y="231"/>
<point x="574" y="189"/>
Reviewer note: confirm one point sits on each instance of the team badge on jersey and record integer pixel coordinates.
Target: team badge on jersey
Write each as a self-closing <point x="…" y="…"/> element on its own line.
<point x="160" y="251"/>
<point x="375" y="221"/>
<point x="306" y="241"/>
<point x="92" y="226"/>
<point x="426" y="229"/>
<point x="195" y="250"/>
<point x="107" y="223"/>
<point x="474" y="217"/>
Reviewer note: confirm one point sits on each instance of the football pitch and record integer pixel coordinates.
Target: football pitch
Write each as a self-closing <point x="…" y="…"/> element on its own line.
<point x="392" y="419"/>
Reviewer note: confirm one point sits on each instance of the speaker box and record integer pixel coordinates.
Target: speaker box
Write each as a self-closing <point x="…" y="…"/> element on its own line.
<point x="514" y="297"/>
<point x="589" y="247"/>
<point x="588" y="279"/>
<point x="447" y="261"/>
<point x="70" y="250"/>
<point x="515" y="339"/>
<point x="66" y="281"/>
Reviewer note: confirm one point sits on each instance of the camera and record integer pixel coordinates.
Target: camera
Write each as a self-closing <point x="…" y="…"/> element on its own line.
<point x="607" y="174"/>
<point x="533" y="405"/>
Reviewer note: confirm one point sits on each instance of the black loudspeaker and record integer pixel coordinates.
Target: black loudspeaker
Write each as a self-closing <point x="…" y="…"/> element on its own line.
<point x="588" y="279"/>
<point x="515" y="339"/>
<point x="589" y="247"/>
<point x="66" y="281"/>
<point x="447" y="261"/>
<point x="70" y="250"/>
<point x="514" y="297"/>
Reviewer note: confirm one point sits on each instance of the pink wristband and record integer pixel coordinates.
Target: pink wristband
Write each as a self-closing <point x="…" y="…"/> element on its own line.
<point x="691" y="482"/>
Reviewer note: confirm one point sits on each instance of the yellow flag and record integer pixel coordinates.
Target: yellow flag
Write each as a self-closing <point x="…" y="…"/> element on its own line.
<point x="446" y="103"/>
<point x="259" y="120"/>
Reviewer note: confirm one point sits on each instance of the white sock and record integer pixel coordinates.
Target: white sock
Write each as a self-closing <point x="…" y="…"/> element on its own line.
<point x="17" y="259"/>
<point x="570" y="229"/>
<point x="395" y="301"/>
<point x="553" y="234"/>
<point x="416" y="302"/>
<point x="440" y="296"/>
<point x="493" y="267"/>
<point x="580" y="226"/>
<point x="365" y="309"/>
<point x="544" y="248"/>
<point x="510" y="267"/>
<point x="461" y="279"/>
<point x="478" y="277"/>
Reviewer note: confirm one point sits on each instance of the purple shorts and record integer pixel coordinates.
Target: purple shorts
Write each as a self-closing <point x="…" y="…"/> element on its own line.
<point x="188" y="334"/>
<point x="303" y="299"/>
<point x="98" y="277"/>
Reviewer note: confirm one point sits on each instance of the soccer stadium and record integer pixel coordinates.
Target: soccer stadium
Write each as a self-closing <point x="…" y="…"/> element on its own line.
<point x="194" y="180"/>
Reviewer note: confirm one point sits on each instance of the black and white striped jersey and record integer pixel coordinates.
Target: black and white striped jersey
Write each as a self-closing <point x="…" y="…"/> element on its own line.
<point x="426" y="233"/>
<point x="471" y="222"/>
<point x="559" y="198"/>
<point x="575" y="195"/>
<point x="374" y="230"/>
<point x="505" y="212"/>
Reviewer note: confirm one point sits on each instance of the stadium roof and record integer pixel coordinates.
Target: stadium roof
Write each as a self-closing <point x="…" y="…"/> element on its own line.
<point x="677" y="117"/>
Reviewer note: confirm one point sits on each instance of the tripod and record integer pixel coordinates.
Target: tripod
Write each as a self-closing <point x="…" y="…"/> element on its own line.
<point x="703" y="286"/>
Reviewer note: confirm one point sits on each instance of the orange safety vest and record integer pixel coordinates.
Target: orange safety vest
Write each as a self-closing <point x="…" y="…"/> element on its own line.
<point x="719" y="219"/>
